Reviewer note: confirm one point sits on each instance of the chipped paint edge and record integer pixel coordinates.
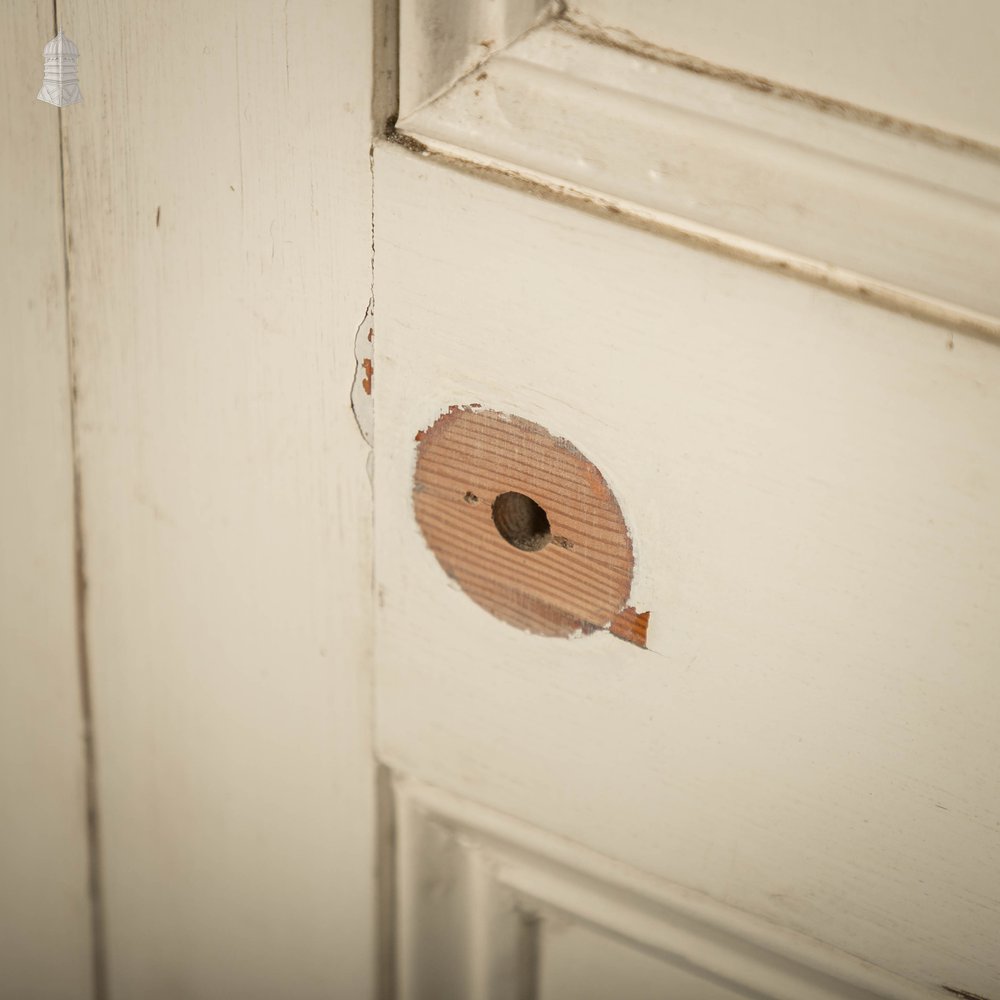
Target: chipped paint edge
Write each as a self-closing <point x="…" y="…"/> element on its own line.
<point x="362" y="398"/>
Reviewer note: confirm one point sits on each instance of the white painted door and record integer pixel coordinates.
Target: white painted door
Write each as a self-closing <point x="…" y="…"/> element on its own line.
<point x="186" y="776"/>
<point x="749" y="293"/>
<point x="685" y="353"/>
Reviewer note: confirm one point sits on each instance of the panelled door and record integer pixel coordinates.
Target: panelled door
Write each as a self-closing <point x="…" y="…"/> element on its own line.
<point x="681" y="366"/>
<point x="687" y="500"/>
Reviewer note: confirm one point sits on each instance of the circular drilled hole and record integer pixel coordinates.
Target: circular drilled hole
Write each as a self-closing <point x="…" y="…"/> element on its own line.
<point x="521" y="522"/>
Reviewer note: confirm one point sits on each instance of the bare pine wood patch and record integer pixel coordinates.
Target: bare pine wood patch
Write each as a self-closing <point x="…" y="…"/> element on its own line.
<point x="525" y="524"/>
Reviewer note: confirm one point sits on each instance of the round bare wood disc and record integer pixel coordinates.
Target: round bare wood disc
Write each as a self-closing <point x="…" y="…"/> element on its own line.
<point x="523" y="522"/>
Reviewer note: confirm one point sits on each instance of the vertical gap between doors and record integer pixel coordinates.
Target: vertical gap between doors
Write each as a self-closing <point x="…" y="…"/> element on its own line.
<point x="384" y="107"/>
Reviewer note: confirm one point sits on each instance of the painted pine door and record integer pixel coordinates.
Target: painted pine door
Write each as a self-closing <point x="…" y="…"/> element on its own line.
<point x="760" y="325"/>
<point x="715" y="315"/>
<point x="186" y="257"/>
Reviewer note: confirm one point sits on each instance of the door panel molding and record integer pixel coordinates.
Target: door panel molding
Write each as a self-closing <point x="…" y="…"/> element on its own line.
<point x="477" y="889"/>
<point x="921" y="61"/>
<point x="442" y="40"/>
<point x="899" y="214"/>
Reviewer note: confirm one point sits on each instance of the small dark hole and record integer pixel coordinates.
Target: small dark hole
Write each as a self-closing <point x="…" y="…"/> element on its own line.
<point x="471" y="497"/>
<point x="521" y="522"/>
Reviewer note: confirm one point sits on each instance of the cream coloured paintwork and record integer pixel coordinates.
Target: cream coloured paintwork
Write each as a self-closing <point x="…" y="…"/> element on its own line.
<point x="218" y="215"/>
<point x="812" y="485"/>
<point x="45" y="928"/>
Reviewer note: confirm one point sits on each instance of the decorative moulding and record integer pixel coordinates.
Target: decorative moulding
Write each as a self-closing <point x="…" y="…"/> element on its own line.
<point x="442" y="40"/>
<point x="896" y="213"/>
<point x="475" y="888"/>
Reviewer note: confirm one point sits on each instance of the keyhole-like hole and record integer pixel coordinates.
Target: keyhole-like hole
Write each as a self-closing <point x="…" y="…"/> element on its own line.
<point x="521" y="522"/>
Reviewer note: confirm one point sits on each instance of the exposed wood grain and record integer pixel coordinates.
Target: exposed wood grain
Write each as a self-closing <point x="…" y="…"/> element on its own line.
<point x="631" y="625"/>
<point x="219" y="212"/>
<point x="45" y="942"/>
<point x="522" y="521"/>
<point x="815" y="486"/>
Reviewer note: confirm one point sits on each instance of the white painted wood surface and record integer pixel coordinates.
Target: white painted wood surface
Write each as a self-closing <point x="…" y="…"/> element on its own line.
<point x="929" y="62"/>
<point x="219" y="212"/>
<point x="490" y="908"/>
<point x="812" y="487"/>
<point x="581" y="964"/>
<point x="442" y="40"/>
<point x="45" y="945"/>
<point x="839" y="196"/>
<point x="811" y="484"/>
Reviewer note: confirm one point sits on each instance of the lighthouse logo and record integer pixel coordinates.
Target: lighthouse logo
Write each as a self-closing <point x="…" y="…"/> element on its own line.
<point x="60" y="86"/>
